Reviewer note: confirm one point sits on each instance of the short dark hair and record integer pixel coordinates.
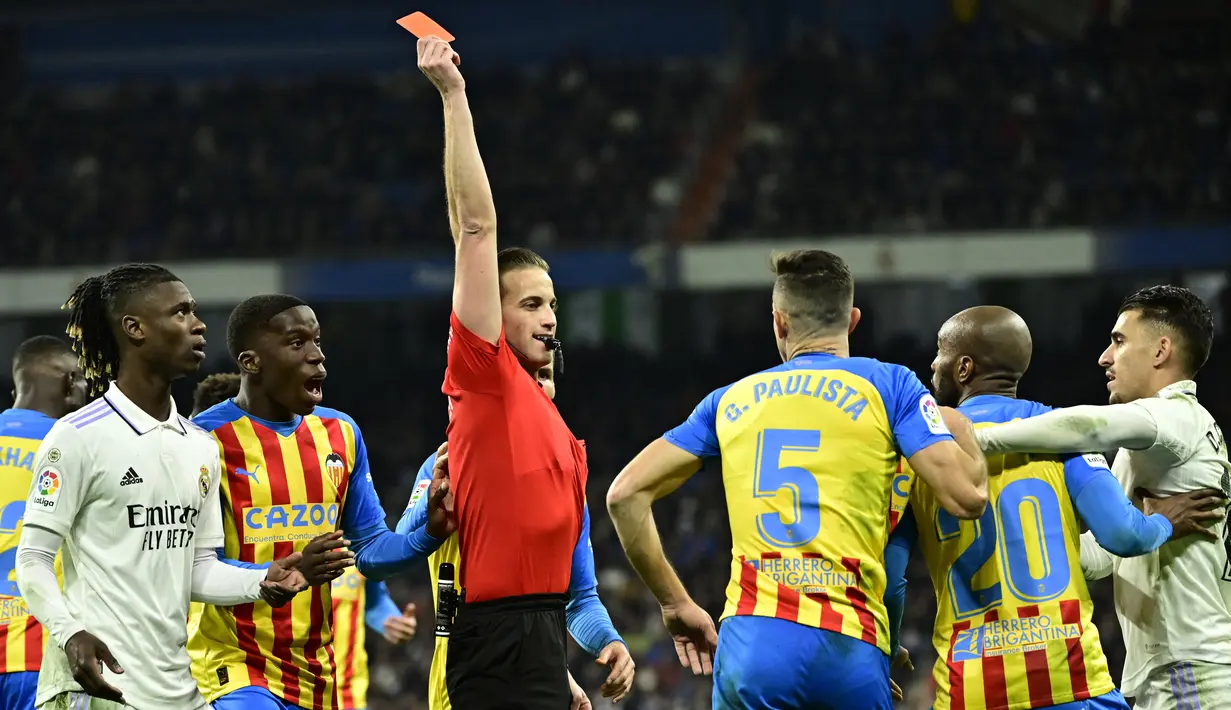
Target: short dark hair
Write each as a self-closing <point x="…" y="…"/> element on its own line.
<point x="252" y="316"/>
<point x="1180" y="311"/>
<point x="38" y="349"/>
<point x="514" y="258"/>
<point x="216" y="388"/>
<point x="93" y="306"/>
<point x="814" y="288"/>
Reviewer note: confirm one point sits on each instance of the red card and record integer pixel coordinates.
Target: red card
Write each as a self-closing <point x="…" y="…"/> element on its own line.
<point x="421" y="26"/>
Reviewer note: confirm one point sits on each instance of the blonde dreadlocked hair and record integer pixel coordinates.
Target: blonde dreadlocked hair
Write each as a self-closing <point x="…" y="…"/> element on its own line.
<point x="92" y="307"/>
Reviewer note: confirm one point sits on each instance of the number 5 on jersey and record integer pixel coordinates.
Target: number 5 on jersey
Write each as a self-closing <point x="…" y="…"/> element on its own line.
<point x="771" y="478"/>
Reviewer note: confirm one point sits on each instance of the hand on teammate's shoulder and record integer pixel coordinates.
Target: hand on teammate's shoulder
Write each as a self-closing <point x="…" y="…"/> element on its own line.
<point x="325" y="558"/>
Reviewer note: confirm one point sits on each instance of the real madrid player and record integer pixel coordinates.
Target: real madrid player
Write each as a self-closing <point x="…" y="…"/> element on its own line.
<point x="296" y="476"/>
<point x="128" y="490"/>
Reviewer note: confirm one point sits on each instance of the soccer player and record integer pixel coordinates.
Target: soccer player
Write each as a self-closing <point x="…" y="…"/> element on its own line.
<point x="1172" y="603"/>
<point x="506" y="440"/>
<point x="49" y="385"/>
<point x="216" y="388"/>
<point x="296" y="478"/>
<point x="129" y="489"/>
<point x="809" y="452"/>
<point x="586" y="617"/>
<point x="1013" y="625"/>
<point x="356" y="598"/>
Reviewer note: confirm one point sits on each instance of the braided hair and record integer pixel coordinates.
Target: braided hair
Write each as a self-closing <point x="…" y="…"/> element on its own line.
<point x="91" y="309"/>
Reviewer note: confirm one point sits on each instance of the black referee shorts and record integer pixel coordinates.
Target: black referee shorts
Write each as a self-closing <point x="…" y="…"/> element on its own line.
<point x="509" y="654"/>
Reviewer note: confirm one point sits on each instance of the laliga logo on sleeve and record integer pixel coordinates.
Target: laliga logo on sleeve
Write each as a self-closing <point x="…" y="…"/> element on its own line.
<point x="931" y="414"/>
<point x="48" y="489"/>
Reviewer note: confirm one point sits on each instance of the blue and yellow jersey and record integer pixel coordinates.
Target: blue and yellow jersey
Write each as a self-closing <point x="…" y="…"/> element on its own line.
<point x="22" y="638"/>
<point x="1013" y="622"/>
<point x="810" y="451"/>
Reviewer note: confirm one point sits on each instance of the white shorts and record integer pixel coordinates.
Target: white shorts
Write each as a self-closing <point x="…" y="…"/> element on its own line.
<point x="1187" y="686"/>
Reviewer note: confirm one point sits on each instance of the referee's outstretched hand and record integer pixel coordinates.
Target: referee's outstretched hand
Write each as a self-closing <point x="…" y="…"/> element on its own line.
<point x="86" y="656"/>
<point x="441" y="518"/>
<point x="696" y="638"/>
<point x="325" y="558"/>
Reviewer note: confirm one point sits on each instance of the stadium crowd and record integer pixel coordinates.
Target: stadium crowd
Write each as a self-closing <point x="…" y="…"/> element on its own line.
<point x="942" y="136"/>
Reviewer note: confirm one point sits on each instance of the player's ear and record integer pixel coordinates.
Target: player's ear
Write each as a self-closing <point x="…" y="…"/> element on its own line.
<point x="67" y="383"/>
<point x="965" y="369"/>
<point x="781" y="327"/>
<point x="131" y="325"/>
<point x="1163" y="350"/>
<point x="249" y="362"/>
<point x="856" y="314"/>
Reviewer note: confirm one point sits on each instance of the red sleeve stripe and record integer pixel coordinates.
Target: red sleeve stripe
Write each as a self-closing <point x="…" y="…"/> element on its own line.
<point x="1070" y="613"/>
<point x="1038" y="669"/>
<point x="283" y="624"/>
<point x="859" y="600"/>
<point x="957" y="671"/>
<point x="241" y="497"/>
<point x="995" y="692"/>
<point x="310" y="461"/>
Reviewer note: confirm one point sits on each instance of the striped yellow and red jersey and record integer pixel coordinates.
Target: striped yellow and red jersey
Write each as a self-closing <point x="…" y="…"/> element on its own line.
<point x="1013" y="621"/>
<point x="810" y="451"/>
<point x="284" y="483"/>
<point x="359" y="604"/>
<point x="22" y="638"/>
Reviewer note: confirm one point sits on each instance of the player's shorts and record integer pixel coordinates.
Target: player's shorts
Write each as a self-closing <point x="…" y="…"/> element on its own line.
<point x="1187" y="686"/>
<point x="766" y="663"/>
<point x="509" y="654"/>
<point x="252" y="697"/>
<point x="81" y="701"/>
<point x="17" y="690"/>
<point x="1107" y="701"/>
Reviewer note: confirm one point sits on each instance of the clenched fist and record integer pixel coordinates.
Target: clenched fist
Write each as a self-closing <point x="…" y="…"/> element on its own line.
<point x="439" y="62"/>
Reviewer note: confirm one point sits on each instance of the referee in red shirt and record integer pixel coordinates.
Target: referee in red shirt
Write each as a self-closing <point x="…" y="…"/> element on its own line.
<point x="517" y="472"/>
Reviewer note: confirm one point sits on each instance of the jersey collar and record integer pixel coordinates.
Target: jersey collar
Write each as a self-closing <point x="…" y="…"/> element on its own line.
<point x="1182" y="387"/>
<point x="136" y="417"/>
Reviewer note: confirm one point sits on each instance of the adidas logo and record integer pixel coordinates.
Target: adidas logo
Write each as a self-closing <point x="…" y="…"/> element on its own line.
<point x="130" y="477"/>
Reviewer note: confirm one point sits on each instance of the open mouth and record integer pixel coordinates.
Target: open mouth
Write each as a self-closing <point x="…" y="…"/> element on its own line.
<point x="548" y="341"/>
<point x="198" y="350"/>
<point x="315" y="388"/>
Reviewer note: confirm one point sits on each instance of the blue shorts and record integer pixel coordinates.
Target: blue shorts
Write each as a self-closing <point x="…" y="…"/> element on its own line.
<point x="252" y="697"/>
<point x="1106" y="701"/>
<point x="773" y="664"/>
<point x="17" y="690"/>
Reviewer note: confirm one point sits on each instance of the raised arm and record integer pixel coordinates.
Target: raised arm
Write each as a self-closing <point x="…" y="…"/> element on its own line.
<point x="472" y="213"/>
<point x="1074" y="430"/>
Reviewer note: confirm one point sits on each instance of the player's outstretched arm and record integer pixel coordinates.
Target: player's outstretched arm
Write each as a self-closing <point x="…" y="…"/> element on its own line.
<point x="472" y="212"/>
<point x="1118" y="526"/>
<point x="589" y="623"/>
<point x="1075" y="430"/>
<point x="955" y="470"/>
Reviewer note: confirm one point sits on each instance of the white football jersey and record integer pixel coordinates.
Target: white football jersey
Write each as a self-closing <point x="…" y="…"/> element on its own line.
<point x="1173" y="603"/>
<point x="133" y="498"/>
